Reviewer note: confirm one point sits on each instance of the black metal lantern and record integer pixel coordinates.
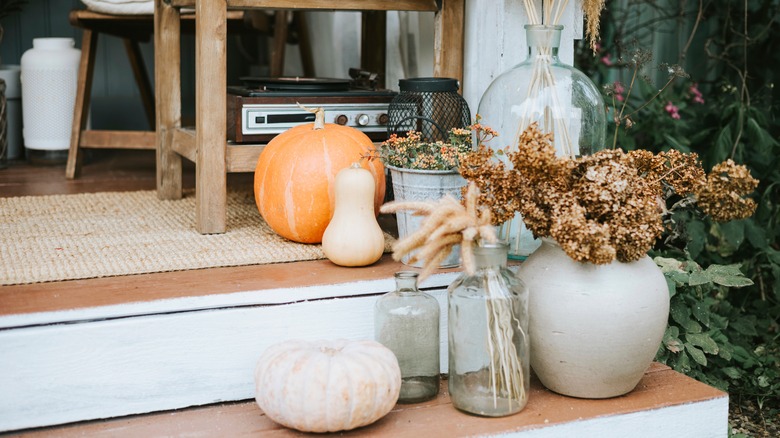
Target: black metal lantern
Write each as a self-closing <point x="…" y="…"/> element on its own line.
<point x="431" y="106"/>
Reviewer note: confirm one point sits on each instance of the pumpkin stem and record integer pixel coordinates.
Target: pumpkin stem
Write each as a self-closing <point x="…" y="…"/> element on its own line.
<point x="355" y="165"/>
<point x="319" y="116"/>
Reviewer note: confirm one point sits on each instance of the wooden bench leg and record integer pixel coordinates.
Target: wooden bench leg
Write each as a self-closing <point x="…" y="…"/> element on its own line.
<point x="304" y="44"/>
<point x="210" y="115"/>
<point x="141" y="78"/>
<point x="81" y="107"/>
<point x="279" y="43"/>
<point x="373" y="36"/>
<point x="448" y="44"/>
<point x="167" y="79"/>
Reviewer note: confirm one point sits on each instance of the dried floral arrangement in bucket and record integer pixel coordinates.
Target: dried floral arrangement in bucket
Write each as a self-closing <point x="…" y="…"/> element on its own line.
<point x="607" y="206"/>
<point x="412" y="152"/>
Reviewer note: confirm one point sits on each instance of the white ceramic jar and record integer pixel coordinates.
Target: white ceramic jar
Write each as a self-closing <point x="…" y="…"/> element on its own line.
<point x="594" y="329"/>
<point x="49" y="80"/>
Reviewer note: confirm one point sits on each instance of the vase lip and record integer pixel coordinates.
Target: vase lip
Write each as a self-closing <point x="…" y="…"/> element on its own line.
<point x="407" y="274"/>
<point x="496" y="244"/>
<point x="53" y="43"/>
<point x="543" y="27"/>
<point x="425" y="171"/>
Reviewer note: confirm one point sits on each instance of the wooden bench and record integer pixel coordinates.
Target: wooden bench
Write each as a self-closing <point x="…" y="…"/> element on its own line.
<point x="132" y="29"/>
<point x="207" y="145"/>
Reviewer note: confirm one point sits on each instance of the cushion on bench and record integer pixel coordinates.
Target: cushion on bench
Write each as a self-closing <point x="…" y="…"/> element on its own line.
<point x="121" y="7"/>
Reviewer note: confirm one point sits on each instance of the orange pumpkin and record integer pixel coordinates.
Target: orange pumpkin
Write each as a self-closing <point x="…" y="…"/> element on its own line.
<point x="296" y="172"/>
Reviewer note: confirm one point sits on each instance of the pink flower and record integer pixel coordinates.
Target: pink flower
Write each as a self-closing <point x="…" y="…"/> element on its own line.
<point x="619" y="89"/>
<point x="672" y="110"/>
<point x="697" y="96"/>
<point x="606" y="60"/>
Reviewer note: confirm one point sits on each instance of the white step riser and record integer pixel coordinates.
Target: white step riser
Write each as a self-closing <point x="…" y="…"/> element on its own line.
<point x="61" y="373"/>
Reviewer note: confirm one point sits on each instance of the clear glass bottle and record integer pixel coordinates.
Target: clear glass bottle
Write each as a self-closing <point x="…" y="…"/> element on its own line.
<point x="560" y="98"/>
<point x="488" y="337"/>
<point x="406" y="321"/>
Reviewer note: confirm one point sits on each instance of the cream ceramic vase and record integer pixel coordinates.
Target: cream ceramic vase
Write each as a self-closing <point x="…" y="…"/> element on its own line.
<point x="594" y="329"/>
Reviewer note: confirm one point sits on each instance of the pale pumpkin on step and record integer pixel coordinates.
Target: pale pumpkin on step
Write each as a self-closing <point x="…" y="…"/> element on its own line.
<point x="328" y="385"/>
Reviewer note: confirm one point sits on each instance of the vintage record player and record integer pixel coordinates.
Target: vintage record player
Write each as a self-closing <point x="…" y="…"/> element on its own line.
<point x="265" y="107"/>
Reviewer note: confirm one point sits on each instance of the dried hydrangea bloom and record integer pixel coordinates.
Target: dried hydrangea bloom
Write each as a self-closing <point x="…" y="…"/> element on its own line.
<point x="722" y="197"/>
<point x="606" y="206"/>
<point x="496" y="184"/>
<point x="682" y="171"/>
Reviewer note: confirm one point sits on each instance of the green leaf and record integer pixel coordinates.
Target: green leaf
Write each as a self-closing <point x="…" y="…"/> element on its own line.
<point x="727" y="275"/>
<point x="763" y="142"/>
<point x="733" y="232"/>
<point x="698" y="278"/>
<point x="756" y="235"/>
<point x="683" y="364"/>
<point x="696" y="354"/>
<point x="722" y="145"/>
<point x="681" y="314"/>
<point x="732" y="372"/>
<point x="671" y="342"/>
<point x="671" y="332"/>
<point x="725" y="352"/>
<point x="673" y="142"/>
<point x="773" y="255"/>
<point x="679" y="311"/>
<point x="741" y="354"/>
<point x="672" y="286"/>
<point x="703" y="341"/>
<point x="697" y="237"/>
<point x="745" y="326"/>
<point x="702" y="313"/>
<point x="674" y="345"/>
<point x="668" y="264"/>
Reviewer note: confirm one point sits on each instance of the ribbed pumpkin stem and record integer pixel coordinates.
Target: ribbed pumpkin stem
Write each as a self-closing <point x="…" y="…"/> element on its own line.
<point x="319" y="116"/>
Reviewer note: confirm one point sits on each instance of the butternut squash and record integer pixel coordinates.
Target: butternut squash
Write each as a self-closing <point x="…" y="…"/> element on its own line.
<point x="353" y="236"/>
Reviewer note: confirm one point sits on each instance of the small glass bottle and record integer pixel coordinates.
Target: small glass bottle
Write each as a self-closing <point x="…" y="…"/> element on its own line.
<point x="488" y="337"/>
<point x="407" y="322"/>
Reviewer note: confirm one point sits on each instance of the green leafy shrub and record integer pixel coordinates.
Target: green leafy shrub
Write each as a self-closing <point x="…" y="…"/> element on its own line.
<point x="724" y="326"/>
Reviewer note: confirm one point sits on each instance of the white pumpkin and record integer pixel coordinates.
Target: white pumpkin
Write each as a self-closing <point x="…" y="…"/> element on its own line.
<point x="327" y="386"/>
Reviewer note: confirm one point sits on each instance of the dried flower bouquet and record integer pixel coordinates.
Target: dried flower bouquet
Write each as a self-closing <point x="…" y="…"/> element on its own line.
<point x="607" y="206"/>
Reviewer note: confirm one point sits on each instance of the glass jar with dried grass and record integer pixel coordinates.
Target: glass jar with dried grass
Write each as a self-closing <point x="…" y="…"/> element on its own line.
<point x="488" y="341"/>
<point x="557" y="97"/>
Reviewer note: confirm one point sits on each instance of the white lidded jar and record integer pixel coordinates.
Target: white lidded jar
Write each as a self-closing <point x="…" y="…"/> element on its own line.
<point x="49" y="80"/>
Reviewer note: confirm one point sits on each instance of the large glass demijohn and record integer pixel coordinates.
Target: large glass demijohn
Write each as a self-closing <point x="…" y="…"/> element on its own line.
<point x="558" y="97"/>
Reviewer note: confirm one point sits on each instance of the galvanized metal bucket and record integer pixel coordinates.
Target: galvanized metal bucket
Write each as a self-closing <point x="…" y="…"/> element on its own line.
<point x="424" y="185"/>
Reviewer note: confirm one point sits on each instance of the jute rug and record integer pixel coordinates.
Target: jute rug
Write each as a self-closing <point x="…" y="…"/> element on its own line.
<point x="68" y="237"/>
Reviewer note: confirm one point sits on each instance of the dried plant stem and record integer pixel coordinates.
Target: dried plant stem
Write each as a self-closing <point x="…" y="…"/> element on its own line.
<point x="448" y="223"/>
<point x="506" y="371"/>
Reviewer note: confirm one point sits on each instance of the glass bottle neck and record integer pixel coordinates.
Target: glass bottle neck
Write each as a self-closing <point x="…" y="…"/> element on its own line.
<point x="543" y="40"/>
<point x="490" y="255"/>
<point x="406" y="281"/>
